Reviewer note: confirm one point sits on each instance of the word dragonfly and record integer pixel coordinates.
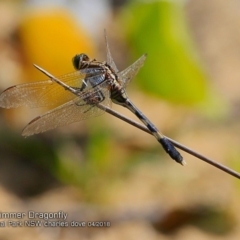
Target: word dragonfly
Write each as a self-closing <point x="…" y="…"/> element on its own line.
<point x="84" y="93"/>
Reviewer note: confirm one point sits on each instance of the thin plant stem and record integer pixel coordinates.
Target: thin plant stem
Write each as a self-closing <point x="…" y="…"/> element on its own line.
<point x="175" y="143"/>
<point x="143" y="128"/>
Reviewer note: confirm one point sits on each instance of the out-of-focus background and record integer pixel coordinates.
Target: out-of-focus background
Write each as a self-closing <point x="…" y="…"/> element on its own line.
<point x="103" y="169"/>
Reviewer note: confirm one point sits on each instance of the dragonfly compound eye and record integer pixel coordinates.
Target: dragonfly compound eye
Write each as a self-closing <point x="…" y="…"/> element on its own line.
<point x="79" y="61"/>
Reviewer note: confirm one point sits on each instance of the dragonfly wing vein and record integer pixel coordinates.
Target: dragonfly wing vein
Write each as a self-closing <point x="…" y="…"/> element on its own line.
<point x="44" y="93"/>
<point x="129" y="73"/>
<point x="73" y="111"/>
<point x="23" y="94"/>
<point x="110" y="60"/>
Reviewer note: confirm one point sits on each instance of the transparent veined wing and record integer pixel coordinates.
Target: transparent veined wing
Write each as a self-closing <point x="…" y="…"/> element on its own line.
<point x="129" y="73"/>
<point x="73" y="111"/>
<point x="43" y="93"/>
<point x="109" y="55"/>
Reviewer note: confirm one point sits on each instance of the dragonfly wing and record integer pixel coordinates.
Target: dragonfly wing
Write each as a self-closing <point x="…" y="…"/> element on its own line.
<point x="109" y="55"/>
<point x="41" y="94"/>
<point x="129" y="73"/>
<point x="23" y="94"/>
<point x="70" y="112"/>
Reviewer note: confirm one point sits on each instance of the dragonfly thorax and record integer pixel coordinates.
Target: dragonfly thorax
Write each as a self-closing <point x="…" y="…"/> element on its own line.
<point x="80" y="61"/>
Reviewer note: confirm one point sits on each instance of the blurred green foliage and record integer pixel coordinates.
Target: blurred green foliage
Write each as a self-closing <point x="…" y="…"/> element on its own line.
<point x="172" y="70"/>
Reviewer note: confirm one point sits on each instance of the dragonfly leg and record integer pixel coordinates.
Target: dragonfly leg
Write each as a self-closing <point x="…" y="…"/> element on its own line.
<point x="93" y="101"/>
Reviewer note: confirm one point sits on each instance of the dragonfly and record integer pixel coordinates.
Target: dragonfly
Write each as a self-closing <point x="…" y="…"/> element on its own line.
<point x="85" y="93"/>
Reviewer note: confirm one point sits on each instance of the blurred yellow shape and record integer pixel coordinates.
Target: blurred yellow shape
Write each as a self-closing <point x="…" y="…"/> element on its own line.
<point x="50" y="38"/>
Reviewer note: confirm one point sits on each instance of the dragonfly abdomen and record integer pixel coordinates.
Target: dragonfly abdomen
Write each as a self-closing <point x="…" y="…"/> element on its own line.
<point x="166" y="144"/>
<point x="171" y="150"/>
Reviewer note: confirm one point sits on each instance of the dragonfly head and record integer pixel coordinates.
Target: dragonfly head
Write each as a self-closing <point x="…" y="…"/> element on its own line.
<point x="80" y="61"/>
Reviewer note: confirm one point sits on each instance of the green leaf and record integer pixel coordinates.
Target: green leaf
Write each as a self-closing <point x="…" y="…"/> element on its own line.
<point x="172" y="69"/>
